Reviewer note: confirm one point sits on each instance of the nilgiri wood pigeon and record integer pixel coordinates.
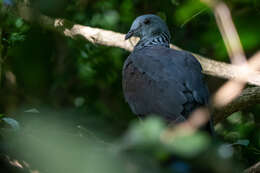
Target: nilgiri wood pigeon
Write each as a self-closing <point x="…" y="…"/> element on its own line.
<point x="160" y="80"/>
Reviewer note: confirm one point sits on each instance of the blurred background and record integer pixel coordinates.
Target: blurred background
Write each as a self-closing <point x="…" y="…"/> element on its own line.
<point x="50" y="78"/>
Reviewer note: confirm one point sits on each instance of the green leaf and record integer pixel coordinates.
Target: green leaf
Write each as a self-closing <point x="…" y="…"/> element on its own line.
<point x="190" y="145"/>
<point x="16" y="37"/>
<point x="19" y="23"/>
<point x="146" y="132"/>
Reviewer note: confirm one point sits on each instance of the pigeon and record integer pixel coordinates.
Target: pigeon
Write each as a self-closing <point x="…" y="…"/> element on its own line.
<point x="160" y="80"/>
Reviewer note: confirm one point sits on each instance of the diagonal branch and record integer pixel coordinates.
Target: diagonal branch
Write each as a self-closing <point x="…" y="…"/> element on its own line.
<point x="247" y="98"/>
<point x="115" y="39"/>
<point x="253" y="169"/>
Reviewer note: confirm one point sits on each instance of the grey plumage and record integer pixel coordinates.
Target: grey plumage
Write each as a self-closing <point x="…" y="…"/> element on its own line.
<point x="160" y="80"/>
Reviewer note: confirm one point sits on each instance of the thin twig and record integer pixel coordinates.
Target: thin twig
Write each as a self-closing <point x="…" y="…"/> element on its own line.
<point x="192" y="17"/>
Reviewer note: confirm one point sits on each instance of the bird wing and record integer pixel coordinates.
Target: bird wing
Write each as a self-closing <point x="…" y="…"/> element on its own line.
<point x="163" y="81"/>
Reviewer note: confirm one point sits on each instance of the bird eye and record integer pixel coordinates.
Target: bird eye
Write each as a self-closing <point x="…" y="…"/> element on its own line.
<point x="147" y="21"/>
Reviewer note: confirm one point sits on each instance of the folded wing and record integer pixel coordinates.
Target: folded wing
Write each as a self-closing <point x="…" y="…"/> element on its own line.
<point x="163" y="81"/>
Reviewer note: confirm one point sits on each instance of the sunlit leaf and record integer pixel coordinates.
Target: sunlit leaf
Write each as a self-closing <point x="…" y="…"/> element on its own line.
<point x="190" y="145"/>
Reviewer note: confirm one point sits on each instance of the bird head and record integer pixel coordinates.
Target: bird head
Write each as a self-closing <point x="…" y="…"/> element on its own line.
<point x="148" y="26"/>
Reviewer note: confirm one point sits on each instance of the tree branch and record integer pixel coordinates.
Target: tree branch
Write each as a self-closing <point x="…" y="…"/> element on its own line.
<point x="253" y="169"/>
<point x="114" y="39"/>
<point x="247" y="98"/>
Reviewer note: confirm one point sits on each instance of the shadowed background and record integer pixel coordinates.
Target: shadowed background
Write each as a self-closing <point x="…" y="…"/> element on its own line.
<point x="42" y="69"/>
